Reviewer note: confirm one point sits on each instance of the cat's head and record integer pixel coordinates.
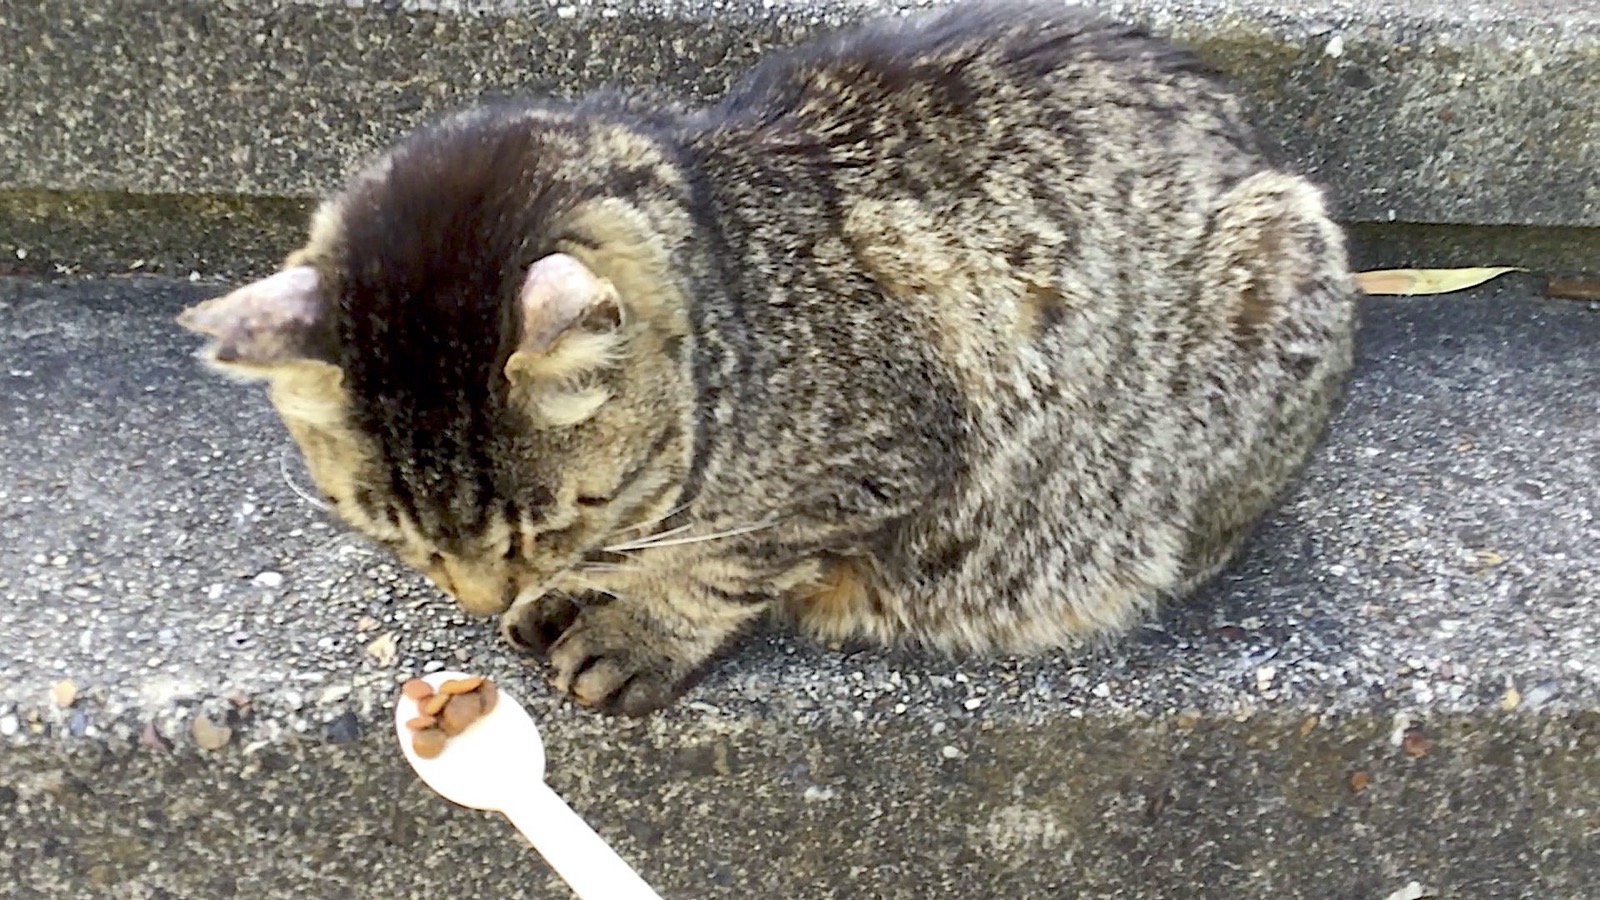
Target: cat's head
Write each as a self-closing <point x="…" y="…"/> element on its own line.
<point x="481" y="351"/>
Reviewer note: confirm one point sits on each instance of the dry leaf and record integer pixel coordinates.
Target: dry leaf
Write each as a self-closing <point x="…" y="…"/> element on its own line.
<point x="383" y="650"/>
<point x="210" y="735"/>
<point x="1415" y="744"/>
<point x="64" y="692"/>
<point x="1414" y="282"/>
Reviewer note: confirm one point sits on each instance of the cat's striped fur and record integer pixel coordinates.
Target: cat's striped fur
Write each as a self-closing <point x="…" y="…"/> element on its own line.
<point x="983" y="329"/>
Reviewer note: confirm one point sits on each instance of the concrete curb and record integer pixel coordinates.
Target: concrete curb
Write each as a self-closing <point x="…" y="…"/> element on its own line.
<point x="1399" y="680"/>
<point x="1468" y="112"/>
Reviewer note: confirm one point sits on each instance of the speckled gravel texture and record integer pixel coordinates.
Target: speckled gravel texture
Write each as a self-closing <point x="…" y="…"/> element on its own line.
<point x="1444" y="111"/>
<point x="1400" y="679"/>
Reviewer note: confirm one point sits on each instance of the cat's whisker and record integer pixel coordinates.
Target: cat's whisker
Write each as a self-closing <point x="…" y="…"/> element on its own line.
<point x="663" y="517"/>
<point x="670" y="532"/>
<point x="591" y="586"/>
<point x="694" y="539"/>
<point x="283" y="468"/>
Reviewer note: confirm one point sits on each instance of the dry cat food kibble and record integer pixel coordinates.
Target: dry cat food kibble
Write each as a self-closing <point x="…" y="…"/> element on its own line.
<point x="443" y="715"/>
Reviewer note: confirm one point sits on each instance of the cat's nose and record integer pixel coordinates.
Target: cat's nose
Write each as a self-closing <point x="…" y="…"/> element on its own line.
<point x="479" y="593"/>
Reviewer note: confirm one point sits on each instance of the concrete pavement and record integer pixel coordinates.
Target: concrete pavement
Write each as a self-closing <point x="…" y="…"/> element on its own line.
<point x="1400" y="680"/>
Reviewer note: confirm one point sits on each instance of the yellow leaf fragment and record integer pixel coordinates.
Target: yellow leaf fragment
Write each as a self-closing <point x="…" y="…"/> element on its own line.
<point x="64" y="692"/>
<point x="1511" y="699"/>
<point x="1415" y="282"/>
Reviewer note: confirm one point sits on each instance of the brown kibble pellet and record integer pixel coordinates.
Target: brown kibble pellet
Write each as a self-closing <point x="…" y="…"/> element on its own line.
<point x="488" y="695"/>
<point x="428" y="743"/>
<point x="433" y="705"/>
<point x="421" y="722"/>
<point x="461" y="711"/>
<point x="417" y="689"/>
<point x="461" y="685"/>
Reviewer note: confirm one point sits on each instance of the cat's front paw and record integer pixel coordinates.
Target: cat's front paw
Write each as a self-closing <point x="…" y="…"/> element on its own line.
<point x="537" y="626"/>
<point x="616" y="661"/>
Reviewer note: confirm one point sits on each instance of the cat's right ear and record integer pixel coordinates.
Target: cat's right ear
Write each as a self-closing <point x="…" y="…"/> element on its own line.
<point x="266" y="325"/>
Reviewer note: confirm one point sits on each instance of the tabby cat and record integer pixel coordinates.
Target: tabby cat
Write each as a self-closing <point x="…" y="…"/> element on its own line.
<point x="981" y="330"/>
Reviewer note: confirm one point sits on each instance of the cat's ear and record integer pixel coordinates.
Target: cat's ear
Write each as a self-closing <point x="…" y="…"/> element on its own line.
<point x="570" y="321"/>
<point x="267" y="324"/>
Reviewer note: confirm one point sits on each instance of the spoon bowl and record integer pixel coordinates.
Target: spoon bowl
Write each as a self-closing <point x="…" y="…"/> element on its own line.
<point x="497" y="764"/>
<point x="475" y="765"/>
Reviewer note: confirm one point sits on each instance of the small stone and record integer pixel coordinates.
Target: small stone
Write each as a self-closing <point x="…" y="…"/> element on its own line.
<point x="333" y="694"/>
<point x="268" y="579"/>
<point x="1264" y="676"/>
<point x="1541" y="693"/>
<point x="817" y="793"/>
<point x="973" y="703"/>
<point x="1102" y="690"/>
<point x="1412" y="891"/>
<point x="1229" y="632"/>
<point x="432" y="665"/>
<point x="78" y="723"/>
<point x="365" y="624"/>
<point x="1511" y="699"/>
<point x="1188" y="719"/>
<point x="63" y="693"/>
<point x="1358" y="781"/>
<point x="1308" y="725"/>
<point x="344" y="728"/>
<point x="210" y="735"/>
<point x="950" y="751"/>
<point x="152" y="738"/>
<point x="9" y="725"/>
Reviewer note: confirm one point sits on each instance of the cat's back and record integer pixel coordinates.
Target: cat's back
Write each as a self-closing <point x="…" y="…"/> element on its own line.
<point x="986" y="169"/>
<point x="982" y="73"/>
<point x="1009" y="129"/>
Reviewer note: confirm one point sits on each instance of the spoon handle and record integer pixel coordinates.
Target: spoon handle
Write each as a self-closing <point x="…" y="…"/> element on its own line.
<point x="581" y="857"/>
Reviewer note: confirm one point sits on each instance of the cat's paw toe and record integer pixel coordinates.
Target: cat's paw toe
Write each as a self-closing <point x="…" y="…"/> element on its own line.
<point x="536" y="627"/>
<point x="601" y="668"/>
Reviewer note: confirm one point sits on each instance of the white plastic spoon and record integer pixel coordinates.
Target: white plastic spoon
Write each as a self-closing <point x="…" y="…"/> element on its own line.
<point x="497" y="764"/>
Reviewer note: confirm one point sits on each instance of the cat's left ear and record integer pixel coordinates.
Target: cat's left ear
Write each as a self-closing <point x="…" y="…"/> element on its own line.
<point x="571" y="326"/>
<point x="272" y="322"/>
<point x="570" y="320"/>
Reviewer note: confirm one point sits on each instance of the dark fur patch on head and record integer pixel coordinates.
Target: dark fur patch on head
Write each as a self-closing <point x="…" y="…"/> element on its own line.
<point x="432" y="254"/>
